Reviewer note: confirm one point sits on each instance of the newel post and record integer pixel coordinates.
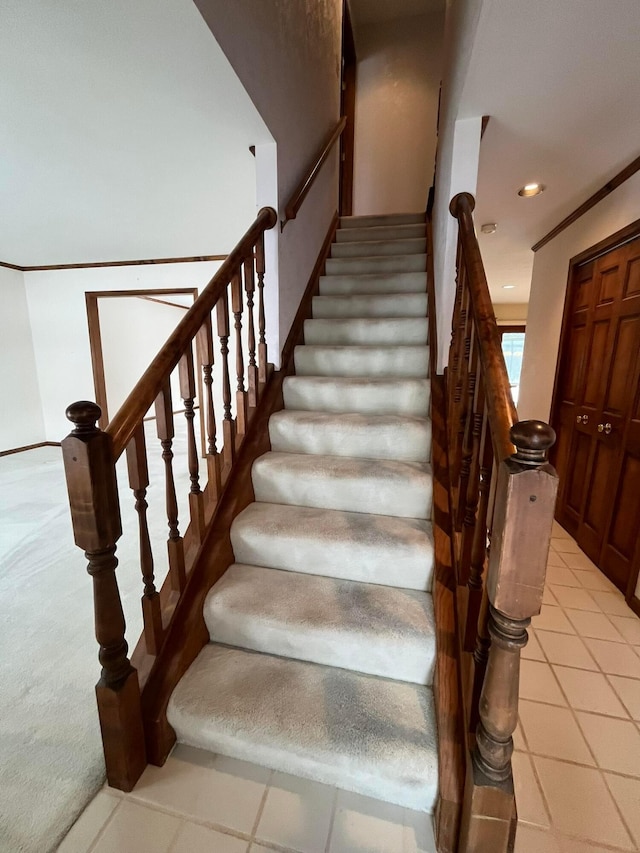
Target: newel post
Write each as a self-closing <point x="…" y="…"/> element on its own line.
<point x="521" y="532"/>
<point x="95" y="514"/>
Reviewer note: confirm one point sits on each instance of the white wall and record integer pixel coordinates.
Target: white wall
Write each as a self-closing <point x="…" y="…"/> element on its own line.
<point x="21" y="421"/>
<point x="132" y="331"/>
<point x="398" y="81"/>
<point x="59" y="326"/>
<point x="287" y="55"/>
<point x="548" y="288"/>
<point x="511" y="313"/>
<point x="461" y="23"/>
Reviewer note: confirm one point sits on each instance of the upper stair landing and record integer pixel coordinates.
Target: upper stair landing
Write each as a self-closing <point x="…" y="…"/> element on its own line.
<point x="383" y="232"/>
<point x="382" y="220"/>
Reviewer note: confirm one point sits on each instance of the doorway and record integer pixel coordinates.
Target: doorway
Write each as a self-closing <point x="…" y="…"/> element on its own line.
<point x="348" y="109"/>
<point x="596" y="408"/>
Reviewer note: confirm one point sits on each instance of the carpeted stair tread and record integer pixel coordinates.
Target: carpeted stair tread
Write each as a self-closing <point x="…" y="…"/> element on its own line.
<point x="381" y="361"/>
<point x="381" y="220"/>
<point x="355" y="546"/>
<point x="379" y="486"/>
<point x="367" y="331"/>
<point x="362" y="627"/>
<point x="367" y="395"/>
<point x="369" y="283"/>
<point x="366" y="734"/>
<point x="380" y="232"/>
<point x="368" y="248"/>
<point x="369" y="436"/>
<point x="390" y="263"/>
<point x="378" y="305"/>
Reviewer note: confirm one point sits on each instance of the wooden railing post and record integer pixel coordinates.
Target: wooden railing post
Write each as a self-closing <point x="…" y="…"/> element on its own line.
<point x="521" y="532"/>
<point x="95" y="514"/>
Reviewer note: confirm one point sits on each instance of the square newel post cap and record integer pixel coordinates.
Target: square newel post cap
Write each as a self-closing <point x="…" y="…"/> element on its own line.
<point x="91" y="479"/>
<point x="523" y="517"/>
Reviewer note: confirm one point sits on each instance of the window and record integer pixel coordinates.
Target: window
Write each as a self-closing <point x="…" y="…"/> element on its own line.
<point x="513" y="347"/>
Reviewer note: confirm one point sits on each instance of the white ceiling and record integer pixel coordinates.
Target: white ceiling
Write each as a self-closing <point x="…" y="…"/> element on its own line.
<point x="124" y="133"/>
<point x="561" y="82"/>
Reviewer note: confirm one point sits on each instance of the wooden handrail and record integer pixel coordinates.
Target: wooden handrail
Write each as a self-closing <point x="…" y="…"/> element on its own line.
<point x="501" y="409"/>
<point x="124" y="424"/>
<point x="294" y="204"/>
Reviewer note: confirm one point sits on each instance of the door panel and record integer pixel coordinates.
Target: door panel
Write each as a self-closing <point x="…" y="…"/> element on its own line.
<point x="598" y="380"/>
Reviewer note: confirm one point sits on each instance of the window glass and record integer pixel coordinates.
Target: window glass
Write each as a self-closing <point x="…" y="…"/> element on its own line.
<point x="513" y="347"/>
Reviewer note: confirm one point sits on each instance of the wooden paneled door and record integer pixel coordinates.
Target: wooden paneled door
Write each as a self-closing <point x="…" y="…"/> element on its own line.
<point x="597" y="409"/>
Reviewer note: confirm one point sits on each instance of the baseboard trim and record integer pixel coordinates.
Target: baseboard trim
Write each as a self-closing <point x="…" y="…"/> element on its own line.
<point x="29" y="447"/>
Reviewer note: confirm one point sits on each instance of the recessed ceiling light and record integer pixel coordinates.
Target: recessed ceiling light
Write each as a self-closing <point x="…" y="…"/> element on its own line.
<point x="529" y="190"/>
<point x="508" y="286"/>
<point x="489" y="227"/>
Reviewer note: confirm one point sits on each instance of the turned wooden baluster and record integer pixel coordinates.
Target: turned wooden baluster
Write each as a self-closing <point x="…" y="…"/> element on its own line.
<point x="241" y="395"/>
<point x="460" y="392"/>
<point x="228" y="426"/>
<point x="95" y="514"/>
<point x="205" y="355"/>
<point x="262" y="340"/>
<point x="472" y="384"/>
<point x="470" y="496"/>
<point x="476" y="525"/>
<point x="454" y="347"/>
<point x="188" y="393"/>
<point x="250" y="286"/>
<point x="166" y="432"/>
<point x="521" y="532"/>
<point x="138" y="470"/>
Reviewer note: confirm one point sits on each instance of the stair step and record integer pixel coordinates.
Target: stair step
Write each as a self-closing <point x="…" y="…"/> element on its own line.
<point x="354" y="546"/>
<point x="399" y="282"/>
<point x="366" y="734"/>
<point x="368" y="248"/>
<point x="384" y="232"/>
<point x="359" y="306"/>
<point x="362" y="627"/>
<point x="353" y="394"/>
<point x="380" y="486"/>
<point x="384" y="331"/>
<point x="409" y="361"/>
<point x="382" y="263"/>
<point x="366" y="436"/>
<point x="381" y="220"/>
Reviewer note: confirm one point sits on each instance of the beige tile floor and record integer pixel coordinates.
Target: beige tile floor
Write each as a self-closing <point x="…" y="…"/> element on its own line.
<point x="577" y="759"/>
<point x="576" y="764"/>
<point x="200" y="803"/>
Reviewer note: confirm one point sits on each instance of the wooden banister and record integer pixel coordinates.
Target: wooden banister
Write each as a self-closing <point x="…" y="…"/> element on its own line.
<point x="298" y="196"/>
<point x="123" y="425"/>
<point x="500" y="406"/>
<point x="502" y="495"/>
<point x="90" y="457"/>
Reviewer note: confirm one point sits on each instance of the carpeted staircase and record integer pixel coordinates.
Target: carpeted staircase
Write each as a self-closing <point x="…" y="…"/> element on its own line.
<point x="322" y="633"/>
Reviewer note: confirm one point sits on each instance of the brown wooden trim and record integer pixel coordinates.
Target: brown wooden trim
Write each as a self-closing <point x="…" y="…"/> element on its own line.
<point x="603" y="192"/>
<point x="29" y="447"/>
<point x="95" y="335"/>
<point x="348" y="110"/>
<point x="166" y="302"/>
<point x="624" y="235"/>
<point x="447" y="688"/>
<point x="298" y="196"/>
<point x="97" y="264"/>
<point x="634" y="604"/>
<point x="511" y="327"/>
<point x="431" y="288"/>
<point x="187" y="633"/>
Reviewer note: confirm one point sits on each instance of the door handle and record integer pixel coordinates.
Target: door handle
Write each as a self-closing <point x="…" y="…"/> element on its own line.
<point x="582" y="419"/>
<point x="605" y="428"/>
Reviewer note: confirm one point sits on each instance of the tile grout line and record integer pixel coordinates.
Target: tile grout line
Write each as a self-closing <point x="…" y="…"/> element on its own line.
<point x="263" y="801"/>
<point x="332" y="820"/>
<point x="102" y="829"/>
<point x="577" y="722"/>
